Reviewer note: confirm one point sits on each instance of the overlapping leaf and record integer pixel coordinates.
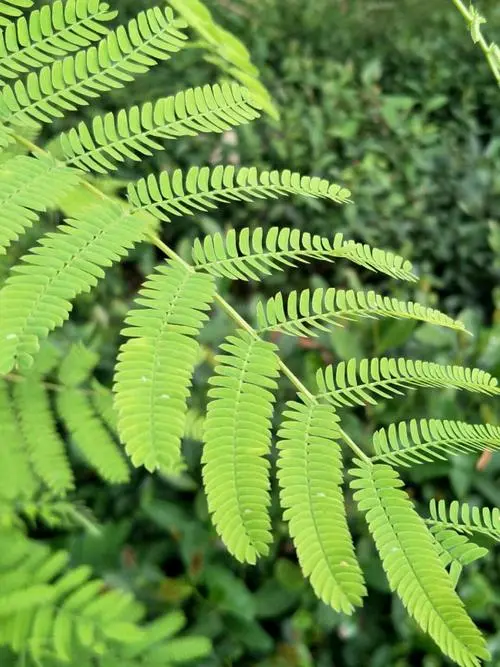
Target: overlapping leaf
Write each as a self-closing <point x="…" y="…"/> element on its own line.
<point x="37" y="297"/>
<point x="71" y="82"/>
<point x="413" y="566"/>
<point x="155" y="365"/>
<point x="30" y="186"/>
<point x="237" y="442"/>
<point x="310" y="473"/>
<point x="49" y="33"/>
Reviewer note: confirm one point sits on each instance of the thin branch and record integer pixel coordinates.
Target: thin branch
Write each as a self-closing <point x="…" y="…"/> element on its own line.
<point x="474" y="21"/>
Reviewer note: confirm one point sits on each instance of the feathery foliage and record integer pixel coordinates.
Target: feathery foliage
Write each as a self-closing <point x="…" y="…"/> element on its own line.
<point x="152" y="383"/>
<point x="201" y="189"/>
<point x="367" y="381"/>
<point x="247" y="255"/>
<point x="133" y="133"/>
<point x="465" y="519"/>
<point x="412" y="564"/>
<point x="426" y="440"/>
<point x="63" y="56"/>
<point x="49" y="33"/>
<point x="30" y="186"/>
<point x="305" y="313"/>
<point x="310" y="473"/>
<point x="237" y="440"/>
<point x="71" y="82"/>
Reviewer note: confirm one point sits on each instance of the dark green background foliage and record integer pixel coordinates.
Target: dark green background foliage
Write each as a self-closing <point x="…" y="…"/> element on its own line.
<point x="393" y="100"/>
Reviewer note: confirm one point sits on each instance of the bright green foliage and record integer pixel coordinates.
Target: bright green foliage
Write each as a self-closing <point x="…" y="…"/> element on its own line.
<point x="306" y="313"/>
<point x="135" y="132"/>
<point x="248" y="255"/>
<point x="45" y="446"/>
<point x="225" y="51"/>
<point x="456" y="551"/>
<point x="91" y="437"/>
<point x="310" y="473"/>
<point x="367" y="381"/>
<point x="37" y="297"/>
<point x="49" y="33"/>
<point x="10" y="9"/>
<point x="30" y="186"/>
<point x="50" y="613"/>
<point x="152" y="382"/>
<point x="64" y="616"/>
<point x="425" y="440"/>
<point x="71" y="82"/>
<point x="85" y="426"/>
<point x="465" y="519"/>
<point x="237" y="440"/>
<point x="16" y="477"/>
<point x="201" y="189"/>
<point x="412" y="564"/>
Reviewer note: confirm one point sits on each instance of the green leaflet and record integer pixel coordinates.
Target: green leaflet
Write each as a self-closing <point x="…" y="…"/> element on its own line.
<point x="422" y="441"/>
<point x="202" y="189"/>
<point x="65" y="85"/>
<point x="133" y="133"/>
<point x="366" y="381"/>
<point x="237" y="441"/>
<point x="310" y="474"/>
<point x="11" y="9"/>
<point x="465" y="519"/>
<point x="49" y="33"/>
<point x="248" y="255"/>
<point x="412" y="564"/>
<point x="306" y="313"/>
<point x="37" y="297"/>
<point x="30" y="186"/>
<point x="155" y="365"/>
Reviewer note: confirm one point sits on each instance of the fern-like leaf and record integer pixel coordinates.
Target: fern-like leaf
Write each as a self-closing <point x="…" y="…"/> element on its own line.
<point x="16" y="477"/>
<point x="202" y="189"/>
<point x="366" y="381"/>
<point x="310" y="476"/>
<point x="37" y="297"/>
<point x="465" y="519"/>
<point x="131" y="134"/>
<point x="30" y="186"/>
<point x="155" y="366"/>
<point x="455" y="550"/>
<point x="306" y="313"/>
<point x="427" y="440"/>
<point x="65" y="85"/>
<point x="46" y="448"/>
<point x="50" y="33"/>
<point x="248" y="255"/>
<point x="103" y="402"/>
<point x="237" y="441"/>
<point x="90" y="436"/>
<point x="11" y="9"/>
<point x="413" y="566"/>
<point x="51" y="610"/>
